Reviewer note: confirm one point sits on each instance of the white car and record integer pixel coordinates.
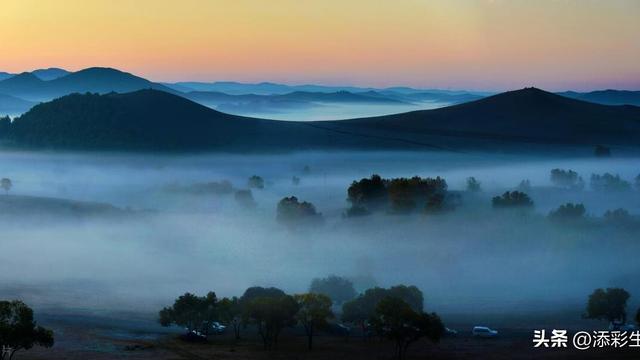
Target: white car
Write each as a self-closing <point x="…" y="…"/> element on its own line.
<point x="483" y="331"/>
<point x="620" y="326"/>
<point x="218" y="328"/>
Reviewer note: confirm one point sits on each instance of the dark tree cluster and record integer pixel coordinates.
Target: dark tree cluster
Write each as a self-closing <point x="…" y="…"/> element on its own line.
<point x="395" y="313"/>
<point x="292" y="212"/>
<point x="567" y="179"/>
<point x="360" y="309"/>
<point x="337" y="288"/>
<point x="609" y="304"/>
<point x="512" y="199"/>
<point x="194" y="313"/>
<point x="398" y="195"/>
<point x="255" y="182"/>
<point x="609" y="182"/>
<point x="5" y="125"/>
<point x="19" y="331"/>
<point x="270" y="310"/>
<point x="568" y="212"/>
<point x="396" y="320"/>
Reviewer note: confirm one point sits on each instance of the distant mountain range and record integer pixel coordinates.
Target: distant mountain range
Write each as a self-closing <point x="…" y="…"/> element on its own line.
<point x="264" y="98"/>
<point x="607" y="97"/>
<point x="29" y="86"/>
<point x="18" y="92"/>
<point x="153" y="120"/>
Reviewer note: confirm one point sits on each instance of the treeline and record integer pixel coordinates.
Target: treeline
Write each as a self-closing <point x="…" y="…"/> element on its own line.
<point x="395" y="313"/>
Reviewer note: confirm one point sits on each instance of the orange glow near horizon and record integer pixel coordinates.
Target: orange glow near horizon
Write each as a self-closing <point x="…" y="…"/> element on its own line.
<point x="474" y="44"/>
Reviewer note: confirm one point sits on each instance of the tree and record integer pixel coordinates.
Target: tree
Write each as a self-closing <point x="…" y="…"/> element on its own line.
<point x="192" y="312"/>
<point x="637" y="181"/>
<point x="255" y="182"/>
<point x="396" y="320"/>
<point x="19" y="331"/>
<point x="524" y="186"/>
<point x="6" y="184"/>
<point x="291" y="212"/>
<point x="473" y="185"/>
<point x="255" y="292"/>
<point x="368" y="193"/>
<point x="295" y="181"/>
<point x="335" y="287"/>
<point x="566" y="178"/>
<point x="618" y="216"/>
<point x="609" y="182"/>
<point x="5" y="125"/>
<point x="230" y="312"/>
<point x="602" y="151"/>
<point x="245" y="198"/>
<point x="313" y="312"/>
<point x="568" y="211"/>
<point x="359" y="310"/>
<point x="271" y="315"/>
<point x="512" y="199"/>
<point x="638" y="316"/>
<point x="609" y="304"/>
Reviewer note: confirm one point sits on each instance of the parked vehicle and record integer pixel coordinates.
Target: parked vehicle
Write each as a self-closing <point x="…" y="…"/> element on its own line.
<point x="620" y="326"/>
<point x="218" y="328"/>
<point x="450" y="332"/>
<point x="484" y="332"/>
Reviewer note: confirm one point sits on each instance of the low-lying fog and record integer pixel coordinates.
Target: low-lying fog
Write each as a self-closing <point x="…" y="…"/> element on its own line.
<point x="330" y="111"/>
<point x="465" y="260"/>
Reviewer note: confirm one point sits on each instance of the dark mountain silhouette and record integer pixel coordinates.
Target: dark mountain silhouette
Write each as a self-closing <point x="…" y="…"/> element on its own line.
<point x="607" y="97"/>
<point x="530" y="114"/>
<point x="50" y="73"/>
<point x="96" y="80"/>
<point x="155" y="120"/>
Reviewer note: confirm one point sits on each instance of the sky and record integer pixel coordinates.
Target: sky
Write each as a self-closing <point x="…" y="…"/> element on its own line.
<point x="452" y="44"/>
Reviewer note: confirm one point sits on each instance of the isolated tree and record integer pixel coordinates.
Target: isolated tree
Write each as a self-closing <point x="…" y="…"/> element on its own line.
<point x="270" y="315"/>
<point x="337" y="288"/>
<point x="295" y="181"/>
<point x="255" y="292"/>
<point x="568" y="211"/>
<point x="524" y="186"/>
<point x="230" y="313"/>
<point x="314" y="310"/>
<point x="6" y="184"/>
<point x="602" y="151"/>
<point x="396" y="320"/>
<point x="637" y="181"/>
<point x="19" y="331"/>
<point x="245" y="198"/>
<point x="473" y="185"/>
<point x="255" y="182"/>
<point x="609" y="304"/>
<point x="512" y="199"/>
<point x="292" y="212"/>
<point x="192" y="312"/>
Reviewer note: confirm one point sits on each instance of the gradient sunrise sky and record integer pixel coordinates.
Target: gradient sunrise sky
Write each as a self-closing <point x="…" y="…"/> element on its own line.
<point x="473" y="44"/>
